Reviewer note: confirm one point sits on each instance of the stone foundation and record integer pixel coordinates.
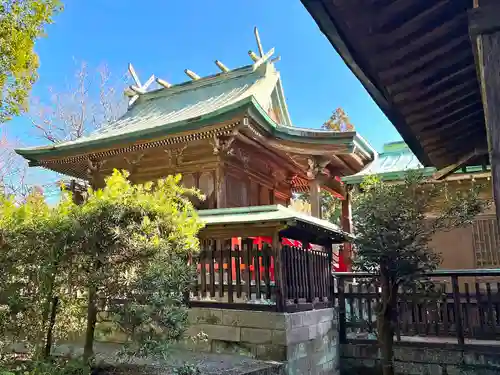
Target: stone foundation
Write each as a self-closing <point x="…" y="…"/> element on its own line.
<point x="422" y="359"/>
<point x="306" y="341"/>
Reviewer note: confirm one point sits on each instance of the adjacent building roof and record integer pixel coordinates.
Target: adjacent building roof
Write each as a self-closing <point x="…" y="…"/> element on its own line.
<point x="416" y="60"/>
<point x="394" y="163"/>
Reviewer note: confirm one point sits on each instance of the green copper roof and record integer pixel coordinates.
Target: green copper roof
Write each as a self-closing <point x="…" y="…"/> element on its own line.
<point x="258" y="214"/>
<point x="392" y="164"/>
<point x="161" y="111"/>
<point x="197" y="103"/>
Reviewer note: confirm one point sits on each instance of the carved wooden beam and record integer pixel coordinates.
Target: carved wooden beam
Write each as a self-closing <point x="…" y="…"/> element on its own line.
<point x="317" y="166"/>
<point x="222" y="145"/>
<point x="244" y="157"/>
<point x="175" y="156"/>
<point x="94" y="172"/>
<point x="133" y="165"/>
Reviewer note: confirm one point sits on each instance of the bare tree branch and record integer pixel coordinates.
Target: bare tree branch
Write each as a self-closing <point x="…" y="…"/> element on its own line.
<point x="13" y="169"/>
<point x="91" y="102"/>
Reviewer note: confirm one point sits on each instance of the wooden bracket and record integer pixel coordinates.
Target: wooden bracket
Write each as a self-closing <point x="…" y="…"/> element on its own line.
<point x="444" y="172"/>
<point x="174" y="156"/>
<point x="93" y="171"/>
<point x="317" y="166"/>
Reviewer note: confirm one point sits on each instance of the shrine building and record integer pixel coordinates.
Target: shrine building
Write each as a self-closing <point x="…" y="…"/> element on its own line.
<point x="230" y="135"/>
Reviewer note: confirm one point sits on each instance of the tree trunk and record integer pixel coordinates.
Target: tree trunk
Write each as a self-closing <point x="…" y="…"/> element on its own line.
<point x="50" y="328"/>
<point x="386" y="341"/>
<point x="49" y="310"/>
<point x="88" y="350"/>
<point x="385" y="326"/>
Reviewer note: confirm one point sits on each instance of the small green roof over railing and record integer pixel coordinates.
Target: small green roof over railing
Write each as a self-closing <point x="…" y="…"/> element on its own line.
<point x="262" y="214"/>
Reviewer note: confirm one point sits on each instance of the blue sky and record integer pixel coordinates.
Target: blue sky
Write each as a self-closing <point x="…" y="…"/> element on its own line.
<point x="166" y="37"/>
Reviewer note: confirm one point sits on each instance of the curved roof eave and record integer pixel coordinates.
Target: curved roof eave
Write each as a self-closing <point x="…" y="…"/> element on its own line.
<point x="224" y="113"/>
<point x="248" y="105"/>
<point x="315" y="136"/>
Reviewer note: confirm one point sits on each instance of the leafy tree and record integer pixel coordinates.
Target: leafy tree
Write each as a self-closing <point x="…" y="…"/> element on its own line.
<point x="126" y="242"/>
<point x="34" y="247"/>
<point x="339" y="121"/>
<point x="158" y="315"/>
<point x="393" y="230"/>
<point x="21" y="24"/>
<point x="128" y="235"/>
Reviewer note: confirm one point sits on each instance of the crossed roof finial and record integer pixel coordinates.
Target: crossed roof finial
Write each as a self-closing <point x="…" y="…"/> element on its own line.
<point x="137" y="89"/>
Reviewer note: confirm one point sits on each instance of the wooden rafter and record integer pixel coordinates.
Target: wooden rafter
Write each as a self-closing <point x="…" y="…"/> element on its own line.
<point x="391" y="11"/>
<point x="465" y="119"/>
<point x="415" y="58"/>
<point x="407" y="84"/>
<point x="400" y="70"/>
<point x="443" y="97"/>
<point x="427" y="91"/>
<point x="467" y="143"/>
<point x="415" y="22"/>
<point x="474" y="127"/>
<point x="432" y="112"/>
<point x="395" y="52"/>
<point x="446" y="171"/>
<point x="431" y="124"/>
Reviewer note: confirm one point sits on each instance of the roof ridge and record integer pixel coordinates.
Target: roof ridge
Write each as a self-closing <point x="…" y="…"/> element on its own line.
<point x="213" y="79"/>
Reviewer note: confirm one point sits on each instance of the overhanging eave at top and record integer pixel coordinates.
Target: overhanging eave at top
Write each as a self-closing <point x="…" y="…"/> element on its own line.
<point x="416" y="61"/>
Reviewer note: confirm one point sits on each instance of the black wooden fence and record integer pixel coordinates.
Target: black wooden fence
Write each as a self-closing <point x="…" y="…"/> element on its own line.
<point x="258" y="277"/>
<point x="464" y="305"/>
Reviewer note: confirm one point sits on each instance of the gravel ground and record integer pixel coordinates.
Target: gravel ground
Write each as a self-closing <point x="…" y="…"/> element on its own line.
<point x="208" y="363"/>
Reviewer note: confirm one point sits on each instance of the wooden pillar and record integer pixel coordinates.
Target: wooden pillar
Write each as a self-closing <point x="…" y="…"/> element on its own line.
<point x="280" y="274"/>
<point x="484" y="29"/>
<point x="346" y="212"/>
<point x="315" y="196"/>
<point x="346" y="221"/>
<point x="220" y="186"/>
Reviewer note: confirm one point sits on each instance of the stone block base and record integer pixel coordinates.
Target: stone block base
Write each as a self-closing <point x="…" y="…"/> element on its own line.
<point x="422" y="358"/>
<point x="305" y="341"/>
